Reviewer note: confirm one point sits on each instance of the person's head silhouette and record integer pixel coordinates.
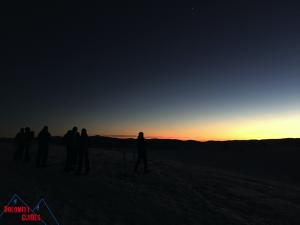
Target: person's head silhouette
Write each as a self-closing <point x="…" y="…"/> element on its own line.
<point x="141" y="135"/>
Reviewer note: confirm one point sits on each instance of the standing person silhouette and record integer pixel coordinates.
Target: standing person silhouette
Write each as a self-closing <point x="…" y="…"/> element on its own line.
<point x="142" y="153"/>
<point x="73" y="146"/>
<point x="44" y="137"/>
<point x="28" y="139"/>
<point x="84" y="145"/>
<point x="67" y="141"/>
<point x="20" y="144"/>
<point x="76" y="148"/>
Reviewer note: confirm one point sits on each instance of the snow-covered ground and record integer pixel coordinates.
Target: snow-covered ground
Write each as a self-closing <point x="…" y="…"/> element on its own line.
<point x="176" y="191"/>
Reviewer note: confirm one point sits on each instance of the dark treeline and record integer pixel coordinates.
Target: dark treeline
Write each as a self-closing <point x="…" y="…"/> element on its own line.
<point x="107" y="142"/>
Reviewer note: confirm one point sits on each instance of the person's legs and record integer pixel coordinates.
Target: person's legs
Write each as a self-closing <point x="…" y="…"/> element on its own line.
<point x="72" y="152"/>
<point x="75" y="156"/>
<point x="39" y="156"/>
<point x="27" y="156"/>
<point x="145" y="162"/>
<point x="45" y="154"/>
<point x="21" y="151"/>
<point x="68" y="160"/>
<point x="87" y="163"/>
<point x="137" y="163"/>
<point x="80" y="159"/>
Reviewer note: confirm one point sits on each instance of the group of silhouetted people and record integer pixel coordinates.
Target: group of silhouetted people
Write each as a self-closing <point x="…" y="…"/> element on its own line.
<point x="77" y="146"/>
<point x="24" y="141"/>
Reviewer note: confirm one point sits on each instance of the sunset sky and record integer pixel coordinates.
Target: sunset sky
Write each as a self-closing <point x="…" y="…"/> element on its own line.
<point x="181" y="69"/>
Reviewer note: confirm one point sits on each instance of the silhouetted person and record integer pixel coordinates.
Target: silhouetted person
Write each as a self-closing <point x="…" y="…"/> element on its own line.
<point x="20" y="144"/>
<point x="74" y="146"/>
<point x="142" y="154"/>
<point x="44" y="137"/>
<point x="84" y="144"/>
<point x="67" y="141"/>
<point x="28" y="139"/>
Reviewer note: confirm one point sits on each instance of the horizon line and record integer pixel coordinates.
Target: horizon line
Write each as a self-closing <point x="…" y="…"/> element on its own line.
<point x="170" y="138"/>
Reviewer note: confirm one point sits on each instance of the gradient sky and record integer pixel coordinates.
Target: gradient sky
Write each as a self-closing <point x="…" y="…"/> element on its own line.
<point x="200" y="70"/>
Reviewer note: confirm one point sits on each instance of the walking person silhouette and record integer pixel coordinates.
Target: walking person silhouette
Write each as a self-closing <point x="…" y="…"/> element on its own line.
<point x="142" y="153"/>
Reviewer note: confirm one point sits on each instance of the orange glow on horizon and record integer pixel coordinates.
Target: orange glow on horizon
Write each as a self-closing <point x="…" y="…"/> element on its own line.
<point x="255" y="128"/>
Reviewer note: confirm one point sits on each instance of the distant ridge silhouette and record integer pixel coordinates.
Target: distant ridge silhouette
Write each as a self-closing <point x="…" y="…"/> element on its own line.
<point x="36" y="207"/>
<point x="108" y="142"/>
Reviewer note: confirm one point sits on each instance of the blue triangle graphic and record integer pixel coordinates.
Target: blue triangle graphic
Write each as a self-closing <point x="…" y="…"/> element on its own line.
<point x="35" y="208"/>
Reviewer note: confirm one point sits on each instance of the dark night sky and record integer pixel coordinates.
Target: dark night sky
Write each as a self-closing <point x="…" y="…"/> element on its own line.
<point x="202" y="70"/>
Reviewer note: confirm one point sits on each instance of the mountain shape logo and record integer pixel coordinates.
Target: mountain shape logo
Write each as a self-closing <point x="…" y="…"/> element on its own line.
<point x="14" y="207"/>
